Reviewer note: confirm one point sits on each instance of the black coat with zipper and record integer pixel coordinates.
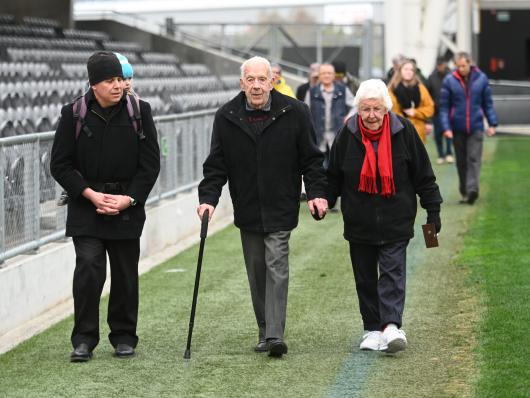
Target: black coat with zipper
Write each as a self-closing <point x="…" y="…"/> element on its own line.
<point x="264" y="171"/>
<point x="372" y="218"/>
<point x="114" y="152"/>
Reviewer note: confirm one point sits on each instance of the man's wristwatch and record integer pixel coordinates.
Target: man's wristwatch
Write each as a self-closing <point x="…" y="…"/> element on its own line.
<point x="132" y="201"/>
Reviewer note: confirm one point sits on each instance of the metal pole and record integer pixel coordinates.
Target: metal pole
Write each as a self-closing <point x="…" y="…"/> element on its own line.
<point x="319" y="56"/>
<point x="367" y="52"/>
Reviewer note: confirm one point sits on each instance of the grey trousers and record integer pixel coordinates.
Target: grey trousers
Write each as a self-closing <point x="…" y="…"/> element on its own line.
<point x="468" y="153"/>
<point x="267" y="262"/>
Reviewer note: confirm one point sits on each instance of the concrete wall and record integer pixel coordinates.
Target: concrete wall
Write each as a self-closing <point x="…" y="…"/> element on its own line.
<point x="59" y="10"/>
<point x="31" y="285"/>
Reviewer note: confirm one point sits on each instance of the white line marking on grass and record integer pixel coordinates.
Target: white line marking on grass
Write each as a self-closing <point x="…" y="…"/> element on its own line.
<point x="176" y="270"/>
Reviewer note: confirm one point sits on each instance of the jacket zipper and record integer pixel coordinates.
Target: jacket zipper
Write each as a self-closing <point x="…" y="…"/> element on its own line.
<point x="466" y="89"/>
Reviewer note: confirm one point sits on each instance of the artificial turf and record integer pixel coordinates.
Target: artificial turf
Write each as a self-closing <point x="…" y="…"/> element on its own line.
<point x="448" y="295"/>
<point x="497" y="253"/>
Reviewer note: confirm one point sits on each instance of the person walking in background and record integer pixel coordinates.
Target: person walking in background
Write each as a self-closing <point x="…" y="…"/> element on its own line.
<point x="108" y="170"/>
<point x="377" y="166"/>
<point x="302" y="89"/>
<point x="330" y="102"/>
<point x="465" y="101"/>
<point x="262" y="143"/>
<point x="342" y="76"/>
<point x="435" y="86"/>
<point x="410" y="98"/>
<point x="396" y="61"/>
<point x="279" y="82"/>
<point x="128" y="73"/>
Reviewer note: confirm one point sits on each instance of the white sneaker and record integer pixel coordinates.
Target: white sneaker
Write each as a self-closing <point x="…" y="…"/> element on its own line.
<point x="449" y="159"/>
<point x="440" y="161"/>
<point x="394" y="339"/>
<point x="371" y="340"/>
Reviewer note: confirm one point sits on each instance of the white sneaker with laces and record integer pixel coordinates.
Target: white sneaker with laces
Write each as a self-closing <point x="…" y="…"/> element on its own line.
<point x="371" y="340"/>
<point x="394" y="339"/>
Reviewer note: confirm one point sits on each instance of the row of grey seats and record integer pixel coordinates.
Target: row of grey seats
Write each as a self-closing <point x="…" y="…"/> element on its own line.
<point x="64" y="56"/>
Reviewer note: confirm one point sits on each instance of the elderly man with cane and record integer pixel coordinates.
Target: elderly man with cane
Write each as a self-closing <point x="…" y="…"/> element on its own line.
<point x="262" y="144"/>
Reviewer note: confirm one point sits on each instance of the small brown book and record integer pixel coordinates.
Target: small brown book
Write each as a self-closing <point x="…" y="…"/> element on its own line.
<point x="429" y="233"/>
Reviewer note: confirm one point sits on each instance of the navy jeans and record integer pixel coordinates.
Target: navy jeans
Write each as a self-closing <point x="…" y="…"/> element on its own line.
<point x="439" y="139"/>
<point x="380" y="274"/>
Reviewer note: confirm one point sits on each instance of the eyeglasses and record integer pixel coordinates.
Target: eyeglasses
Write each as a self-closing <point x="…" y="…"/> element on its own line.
<point x="376" y="110"/>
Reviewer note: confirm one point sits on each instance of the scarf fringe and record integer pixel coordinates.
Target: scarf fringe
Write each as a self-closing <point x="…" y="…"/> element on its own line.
<point x="367" y="184"/>
<point x="387" y="186"/>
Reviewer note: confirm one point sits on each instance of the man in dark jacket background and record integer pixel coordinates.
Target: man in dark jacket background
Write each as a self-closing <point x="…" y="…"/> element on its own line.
<point x="434" y="84"/>
<point x="108" y="172"/>
<point x="465" y="101"/>
<point x="262" y="143"/>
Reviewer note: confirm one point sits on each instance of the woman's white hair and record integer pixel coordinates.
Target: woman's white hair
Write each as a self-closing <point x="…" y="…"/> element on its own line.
<point x="373" y="88"/>
<point x="256" y="60"/>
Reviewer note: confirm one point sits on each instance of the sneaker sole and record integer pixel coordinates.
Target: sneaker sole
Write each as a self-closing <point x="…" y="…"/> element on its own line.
<point x="395" y="345"/>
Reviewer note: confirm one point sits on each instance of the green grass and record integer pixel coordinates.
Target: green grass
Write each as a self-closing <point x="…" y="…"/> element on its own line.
<point x="320" y="327"/>
<point x="497" y="253"/>
<point x="466" y="315"/>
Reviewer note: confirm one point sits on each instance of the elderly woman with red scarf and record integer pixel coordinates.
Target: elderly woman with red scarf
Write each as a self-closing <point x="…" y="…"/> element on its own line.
<point x="378" y="164"/>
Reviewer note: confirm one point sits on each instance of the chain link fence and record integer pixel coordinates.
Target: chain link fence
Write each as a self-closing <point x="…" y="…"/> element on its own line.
<point x="29" y="215"/>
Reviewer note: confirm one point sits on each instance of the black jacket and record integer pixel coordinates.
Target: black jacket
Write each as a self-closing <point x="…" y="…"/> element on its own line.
<point x="373" y="219"/>
<point x="114" y="153"/>
<point x="434" y="85"/>
<point x="263" y="171"/>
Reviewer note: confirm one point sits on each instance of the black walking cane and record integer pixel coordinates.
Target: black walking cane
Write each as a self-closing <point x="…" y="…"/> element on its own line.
<point x="204" y="231"/>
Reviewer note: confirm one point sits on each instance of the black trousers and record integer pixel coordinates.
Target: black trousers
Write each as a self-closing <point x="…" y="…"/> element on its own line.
<point x="89" y="277"/>
<point x="380" y="274"/>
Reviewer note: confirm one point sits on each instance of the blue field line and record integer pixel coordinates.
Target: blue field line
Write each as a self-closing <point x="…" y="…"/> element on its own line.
<point x="355" y="370"/>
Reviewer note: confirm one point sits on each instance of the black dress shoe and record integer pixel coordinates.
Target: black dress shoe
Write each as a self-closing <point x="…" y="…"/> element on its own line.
<point x="81" y="353"/>
<point x="261" y="346"/>
<point x="277" y="347"/>
<point x="472" y="197"/>
<point x="124" y="351"/>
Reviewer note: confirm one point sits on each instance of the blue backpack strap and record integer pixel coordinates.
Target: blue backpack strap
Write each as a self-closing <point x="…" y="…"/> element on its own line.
<point x="133" y="109"/>
<point x="79" y="113"/>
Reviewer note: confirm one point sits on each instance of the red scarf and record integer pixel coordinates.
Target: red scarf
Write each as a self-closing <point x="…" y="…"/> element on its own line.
<point x="368" y="178"/>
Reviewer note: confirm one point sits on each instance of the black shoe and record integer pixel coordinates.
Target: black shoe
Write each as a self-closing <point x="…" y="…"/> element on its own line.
<point x="472" y="197"/>
<point x="277" y="347"/>
<point x="81" y="353"/>
<point x="261" y="346"/>
<point x="124" y="351"/>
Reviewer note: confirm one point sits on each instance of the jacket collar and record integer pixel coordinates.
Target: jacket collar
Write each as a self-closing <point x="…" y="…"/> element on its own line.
<point x="235" y="110"/>
<point x="395" y="124"/>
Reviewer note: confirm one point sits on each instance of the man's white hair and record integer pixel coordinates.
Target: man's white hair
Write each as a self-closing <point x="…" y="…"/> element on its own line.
<point x="373" y="88"/>
<point x="256" y="60"/>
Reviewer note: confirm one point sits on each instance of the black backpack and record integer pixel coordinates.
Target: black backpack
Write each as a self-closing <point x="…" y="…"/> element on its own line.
<point x="133" y="109"/>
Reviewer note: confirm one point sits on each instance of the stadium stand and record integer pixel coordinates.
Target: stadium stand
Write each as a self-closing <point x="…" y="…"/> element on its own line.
<point x="43" y="66"/>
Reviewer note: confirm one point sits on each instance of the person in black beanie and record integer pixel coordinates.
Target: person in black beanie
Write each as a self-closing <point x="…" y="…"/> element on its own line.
<point x="108" y="170"/>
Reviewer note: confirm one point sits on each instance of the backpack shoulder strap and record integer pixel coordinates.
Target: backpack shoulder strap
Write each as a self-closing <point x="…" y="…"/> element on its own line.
<point x="79" y="114"/>
<point x="133" y="109"/>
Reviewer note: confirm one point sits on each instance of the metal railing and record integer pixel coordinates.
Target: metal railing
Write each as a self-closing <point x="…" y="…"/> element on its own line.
<point x="29" y="215"/>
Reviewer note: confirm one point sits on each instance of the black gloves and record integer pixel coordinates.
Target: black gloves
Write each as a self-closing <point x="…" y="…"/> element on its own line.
<point x="434" y="218"/>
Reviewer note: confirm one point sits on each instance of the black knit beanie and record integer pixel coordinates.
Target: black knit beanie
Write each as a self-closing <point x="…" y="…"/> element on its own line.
<point x="103" y="65"/>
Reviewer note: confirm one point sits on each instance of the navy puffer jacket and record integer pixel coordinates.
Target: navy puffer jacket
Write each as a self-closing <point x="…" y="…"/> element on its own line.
<point x="463" y="106"/>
